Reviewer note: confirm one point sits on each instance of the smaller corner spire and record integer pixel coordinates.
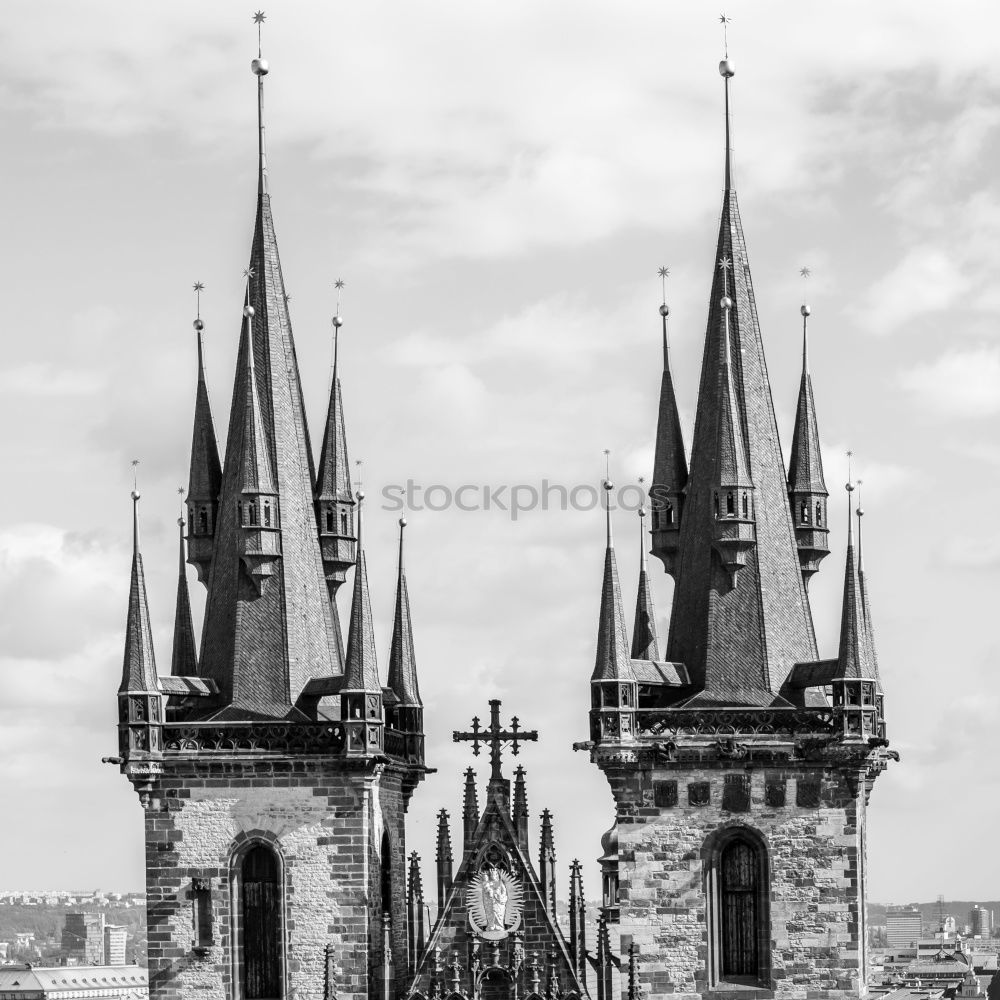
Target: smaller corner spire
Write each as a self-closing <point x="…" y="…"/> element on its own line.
<point x="139" y="667"/>
<point x="520" y="810"/>
<point x="260" y="68"/>
<point x="613" y="660"/>
<point x="402" y="660"/>
<point x="184" y="657"/>
<point x="443" y="859"/>
<point x="470" y="809"/>
<point x="547" y="863"/>
<point x="866" y="610"/>
<point x="361" y="670"/>
<point x="645" y="643"/>
<point x="727" y="71"/>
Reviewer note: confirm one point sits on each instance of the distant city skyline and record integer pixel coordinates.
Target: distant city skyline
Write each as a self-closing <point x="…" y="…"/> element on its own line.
<point x="499" y="231"/>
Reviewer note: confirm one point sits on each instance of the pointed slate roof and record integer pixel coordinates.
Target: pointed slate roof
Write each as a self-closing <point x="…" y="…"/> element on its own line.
<point x="402" y="661"/>
<point x="333" y="476"/>
<point x="184" y="658"/>
<point x="645" y="644"/>
<point x="139" y="667"/>
<point x="738" y="643"/>
<point x="263" y="649"/>
<point x="670" y="471"/>
<point x="865" y="605"/>
<point x="361" y="665"/>
<point x="613" y="660"/>
<point x="205" y="474"/>
<point x="856" y="657"/>
<point x="805" y="466"/>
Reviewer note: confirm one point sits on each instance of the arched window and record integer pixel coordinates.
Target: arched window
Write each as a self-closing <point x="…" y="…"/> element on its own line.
<point x="329" y="520"/>
<point x="746" y="506"/>
<point x="202" y="521"/>
<point x="260" y="923"/>
<point x="251" y="513"/>
<point x="737" y="886"/>
<point x="343" y="522"/>
<point x="669" y="513"/>
<point x="819" y="514"/>
<point x="730" y="505"/>
<point x="239" y="510"/>
<point x="386" y="873"/>
<point x="716" y="504"/>
<point x="267" y="514"/>
<point x="804" y="512"/>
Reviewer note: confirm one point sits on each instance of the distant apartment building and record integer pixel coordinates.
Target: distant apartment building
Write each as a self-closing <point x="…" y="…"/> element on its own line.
<point x="115" y="939"/>
<point x="902" y="926"/>
<point x="83" y="938"/>
<point x="980" y="922"/>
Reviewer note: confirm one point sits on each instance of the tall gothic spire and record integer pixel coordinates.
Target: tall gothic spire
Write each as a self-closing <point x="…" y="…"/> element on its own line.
<point x="262" y="645"/>
<point x="613" y="660"/>
<point x="184" y="658"/>
<point x="856" y="651"/>
<point x="807" y="494"/>
<point x="738" y="638"/>
<point x="645" y="644"/>
<point x="670" y="471"/>
<point x="139" y="668"/>
<point x="863" y="590"/>
<point x="205" y="476"/>
<point x="402" y="661"/>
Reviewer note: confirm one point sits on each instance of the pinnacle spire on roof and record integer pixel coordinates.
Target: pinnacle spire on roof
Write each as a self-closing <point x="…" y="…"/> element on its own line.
<point x="361" y="666"/>
<point x="402" y="661"/>
<point x="670" y="470"/>
<point x="738" y="643"/>
<point x="613" y="660"/>
<point x="263" y="646"/>
<point x="184" y="658"/>
<point x="645" y="644"/>
<point x="205" y="475"/>
<point x="856" y="652"/>
<point x="863" y="590"/>
<point x="139" y="668"/>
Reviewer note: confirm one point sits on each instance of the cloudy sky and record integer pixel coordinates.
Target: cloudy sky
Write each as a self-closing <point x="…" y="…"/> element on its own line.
<point x="497" y="183"/>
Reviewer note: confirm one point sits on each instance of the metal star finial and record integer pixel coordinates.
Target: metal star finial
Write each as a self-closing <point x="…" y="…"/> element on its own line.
<point x="135" y="475"/>
<point x="725" y="263"/>
<point x="199" y="287"/>
<point x="850" y="484"/>
<point x="338" y="284"/>
<point x="664" y="273"/>
<point x="260" y="17"/>
<point x="360" y="480"/>
<point x="248" y="273"/>
<point x="805" y="272"/>
<point x="725" y="22"/>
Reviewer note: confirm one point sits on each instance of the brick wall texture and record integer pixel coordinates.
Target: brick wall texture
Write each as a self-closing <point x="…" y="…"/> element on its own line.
<point x="327" y="827"/>
<point x="815" y="854"/>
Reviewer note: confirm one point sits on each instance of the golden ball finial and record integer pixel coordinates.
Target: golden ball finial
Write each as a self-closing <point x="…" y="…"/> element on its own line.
<point x="608" y="485"/>
<point x="402" y="522"/>
<point x="337" y="321"/>
<point x="726" y="302"/>
<point x="642" y="512"/>
<point x="135" y="494"/>
<point x="727" y="69"/>
<point x="248" y="311"/>
<point x="360" y="494"/>
<point x="664" y="310"/>
<point x="805" y="310"/>
<point x="259" y="67"/>
<point x="199" y="325"/>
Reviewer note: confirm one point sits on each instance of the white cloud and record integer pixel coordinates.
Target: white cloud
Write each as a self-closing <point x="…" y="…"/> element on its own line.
<point x="961" y="383"/>
<point x="43" y="380"/>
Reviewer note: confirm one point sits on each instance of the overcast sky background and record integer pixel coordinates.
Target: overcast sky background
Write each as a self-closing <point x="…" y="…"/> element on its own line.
<point x="497" y="183"/>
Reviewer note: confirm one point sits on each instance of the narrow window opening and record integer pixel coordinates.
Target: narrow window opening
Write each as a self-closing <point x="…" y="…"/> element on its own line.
<point x="739" y="895"/>
<point x="252" y="512"/>
<point x="716" y="504"/>
<point x="329" y="520"/>
<point x="804" y="513"/>
<point x="386" y="871"/>
<point x="343" y="522"/>
<point x="669" y="513"/>
<point x="261" y="924"/>
<point x="201" y="893"/>
<point x="819" y="515"/>
<point x="203" y="521"/>
<point x="730" y="505"/>
<point x="746" y="506"/>
<point x="267" y="514"/>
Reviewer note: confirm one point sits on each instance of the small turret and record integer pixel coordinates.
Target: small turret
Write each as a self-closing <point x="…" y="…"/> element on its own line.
<point x="140" y="704"/>
<point x="205" y="477"/>
<point x="547" y="863"/>
<point x="470" y="809"/>
<point x="259" y="539"/>
<point x="578" y="922"/>
<point x="670" y="471"/>
<point x="444" y="859"/>
<point x="807" y="494"/>
<point x="857" y="691"/>
<point x="184" y="659"/>
<point x="609" y="874"/>
<point x="613" y="686"/>
<point x="734" y="533"/>
<point x="645" y="644"/>
<point x="407" y="716"/>
<point x="361" y="694"/>
<point x="414" y="912"/>
<point x="519" y="813"/>
<point x="334" y="497"/>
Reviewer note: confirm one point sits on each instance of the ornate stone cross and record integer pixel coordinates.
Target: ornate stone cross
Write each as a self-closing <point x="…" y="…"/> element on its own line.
<point x="495" y="737"/>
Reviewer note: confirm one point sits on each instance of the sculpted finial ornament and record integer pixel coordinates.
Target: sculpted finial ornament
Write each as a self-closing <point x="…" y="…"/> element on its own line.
<point x="494" y="900"/>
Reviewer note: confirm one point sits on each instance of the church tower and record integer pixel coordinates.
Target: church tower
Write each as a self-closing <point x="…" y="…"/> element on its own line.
<point x="742" y="763"/>
<point x="273" y="768"/>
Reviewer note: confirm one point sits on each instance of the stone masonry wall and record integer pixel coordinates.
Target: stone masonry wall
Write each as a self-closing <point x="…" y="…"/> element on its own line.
<point x="815" y="854"/>
<point x="321" y="823"/>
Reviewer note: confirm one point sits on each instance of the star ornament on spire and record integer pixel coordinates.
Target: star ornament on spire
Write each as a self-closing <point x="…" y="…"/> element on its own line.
<point x="804" y="272"/>
<point x="259" y="17"/>
<point x="248" y="273"/>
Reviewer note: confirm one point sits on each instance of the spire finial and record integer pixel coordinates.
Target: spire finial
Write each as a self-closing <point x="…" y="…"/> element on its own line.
<point x="402" y="528"/>
<point x="259" y="68"/>
<point x="727" y="71"/>
<point x="726" y="303"/>
<point x="805" y="310"/>
<point x="664" y="273"/>
<point x="849" y="487"/>
<point x="642" y="536"/>
<point x="199" y="325"/>
<point x="860" y="513"/>
<point x="608" y="487"/>
<point x="135" y="506"/>
<point x="199" y="287"/>
<point x="360" y="477"/>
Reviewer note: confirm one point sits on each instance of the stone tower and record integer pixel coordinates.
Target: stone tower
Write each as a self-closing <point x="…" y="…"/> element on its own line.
<point x="742" y="763"/>
<point x="273" y="767"/>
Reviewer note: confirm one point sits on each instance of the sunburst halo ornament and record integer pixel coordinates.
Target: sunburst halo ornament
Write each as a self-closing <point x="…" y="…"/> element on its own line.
<point x="494" y="900"/>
